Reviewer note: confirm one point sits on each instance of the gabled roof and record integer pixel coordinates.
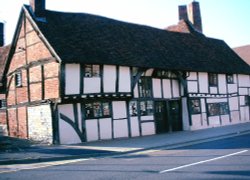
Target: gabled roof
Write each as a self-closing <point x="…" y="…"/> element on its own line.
<point x="243" y="52"/>
<point x="91" y="39"/>
<point x="4" y="51"/>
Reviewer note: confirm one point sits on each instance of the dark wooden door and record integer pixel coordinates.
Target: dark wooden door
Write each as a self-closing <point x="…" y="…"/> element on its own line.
<point x="175" y="115"/>
<point x="161" y="117"/>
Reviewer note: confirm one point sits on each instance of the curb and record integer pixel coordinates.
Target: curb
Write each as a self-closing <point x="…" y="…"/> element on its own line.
<point x="109" y="154"/>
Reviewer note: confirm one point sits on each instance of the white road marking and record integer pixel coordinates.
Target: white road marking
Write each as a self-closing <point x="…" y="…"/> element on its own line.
<point x="200" y="162"/>
<point x="19" y="167"/>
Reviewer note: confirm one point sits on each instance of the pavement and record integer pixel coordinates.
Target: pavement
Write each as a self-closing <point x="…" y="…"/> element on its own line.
<point x="20" y="151"/>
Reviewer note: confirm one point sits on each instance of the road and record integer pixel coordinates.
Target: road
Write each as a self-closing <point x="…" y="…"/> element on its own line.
<point x="221" y="159"/>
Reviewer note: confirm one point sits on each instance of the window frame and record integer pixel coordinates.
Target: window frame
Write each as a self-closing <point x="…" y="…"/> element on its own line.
<point x="148" y="111"/>
<point x="18" y="79"/>
<point x="230" y="78"/>
<point x="3" y="104"/>
<point x="222" y="109"/>
<point x="97" y="113"/>
<point x="145" y="87"/>
<point x="93" y="72"/>
<point x="213" y="79"/>
<point x="193" y="106"/>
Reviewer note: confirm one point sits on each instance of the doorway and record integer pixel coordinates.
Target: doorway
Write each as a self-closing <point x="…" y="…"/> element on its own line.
<point x="168" y="116"/>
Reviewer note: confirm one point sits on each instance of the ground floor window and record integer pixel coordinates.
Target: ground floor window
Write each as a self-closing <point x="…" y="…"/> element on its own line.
<point x="215" y="109"/>
<point x="195" y="106"/>
<point x="97" y="110"/>
<point x="133" y="108"/>
<point x="146" y="108"/>
<point x="3" y="103"/>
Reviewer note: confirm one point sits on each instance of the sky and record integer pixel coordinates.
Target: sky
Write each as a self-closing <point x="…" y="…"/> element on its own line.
<point x="228" y="20"/>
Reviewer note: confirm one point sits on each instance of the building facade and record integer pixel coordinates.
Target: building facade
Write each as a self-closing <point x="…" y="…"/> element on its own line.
<point x="75" y="77"/>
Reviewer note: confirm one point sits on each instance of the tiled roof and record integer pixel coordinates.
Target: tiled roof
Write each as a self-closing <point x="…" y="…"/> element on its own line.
<point x="243" y="52"/>
<point x="91" y="39"/>
<point x="4" y="51"/>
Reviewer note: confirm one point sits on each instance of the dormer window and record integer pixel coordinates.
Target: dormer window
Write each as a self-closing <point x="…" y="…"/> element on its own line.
<point x="230" y="78"/>
<point x="91" y="71"/>
<point x="213" y="79"/>
<point x="18" y="79"/>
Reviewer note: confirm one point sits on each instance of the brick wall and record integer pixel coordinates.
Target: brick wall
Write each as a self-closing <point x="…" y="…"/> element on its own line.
<point x="40" y="80"/>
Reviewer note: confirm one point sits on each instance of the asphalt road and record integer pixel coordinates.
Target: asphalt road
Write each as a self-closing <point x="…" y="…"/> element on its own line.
<point x="222" y="159"/>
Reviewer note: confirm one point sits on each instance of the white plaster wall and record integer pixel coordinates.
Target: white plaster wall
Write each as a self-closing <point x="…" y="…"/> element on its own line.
<point x="148" y="128"/>
<point x="79" y="116"/>
<point x="92" y="85"/>
<point x="216" y="100"/>
<point x="214" y="121"/>
<point x="147" y="118"/>
<point x="203" y="82"/>
<point x="222" y="84"/>
<point x="213" y="90"/>
<point x="196" y="121"/>
<point x="232" y="88"/>
<point x="244" y="113"/>
<point x="109" y="78"/>
<point x="192" y="76"/>
<point x="157" y="88"/>
<point x="176" y="88"/>
<point x="72" y="79"/>
<point x="91" y="130"/>
<point x="192" y="87"/>
<point x="204" y="119"/>
<point x="67" y="134"/>
<point x="134" y="126"/>
<point x="244" y="80"/>
<point x="233" y="103"/>
<point x="203" y="105"/>
<point x="120" y="128"/>
<point x="124" y="79"/>
<point x="242" y="100"/>
<point x="166" y="88"/>
<point x="225" y="119"/>
<point x="149" y="72"/>
<point x="136" y="93"/>
<point x="235" y="116"/>
<point x="243" y="91"/>
<point x="119" y="109"/>
<point x="67" y="110"/>
<point x="105" y="128"/>
<point x="40" y="123"/>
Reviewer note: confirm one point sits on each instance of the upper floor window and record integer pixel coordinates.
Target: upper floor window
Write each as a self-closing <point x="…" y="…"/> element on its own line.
<point x="164" y="74"/>
<point x="18" y="79"/>
<point x="91" y="71"/>
<point x="145" y="87"/>
<point x="213" y="79"/>
<point x="3" y="103"/>
<point x="230" y="78"/>
<point x="97" y="110"/>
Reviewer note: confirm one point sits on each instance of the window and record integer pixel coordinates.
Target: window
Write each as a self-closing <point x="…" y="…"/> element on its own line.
<point x="146" y="108"/>
<point x="195" y="106"/>
<point x="97" y="110"/>
<point x="133" y="108"/>
<point x="18" y="79"/>
<point x="3" y="103"/>
<point x="215" y="109"/>
<point x="145" y="87"/>
<point x="212" y="79"/>
<point x="230" y="78"/>
<point x="91" y="71"/>
<point x="247" y="98"/>
<point x="165" y="74"/>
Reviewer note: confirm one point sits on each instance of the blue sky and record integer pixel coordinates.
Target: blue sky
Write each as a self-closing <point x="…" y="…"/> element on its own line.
<point x="222" y="19"/>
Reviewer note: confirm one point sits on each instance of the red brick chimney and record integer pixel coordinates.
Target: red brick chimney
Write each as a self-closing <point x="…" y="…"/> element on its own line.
<point x="194" y="15"/>
<point x="1" y="34"/>
<point x="38" y="7"/>
<point x="183" y="12"/>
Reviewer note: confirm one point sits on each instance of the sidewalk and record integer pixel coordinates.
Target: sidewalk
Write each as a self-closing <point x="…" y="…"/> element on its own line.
<point x="44" y="153"/>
